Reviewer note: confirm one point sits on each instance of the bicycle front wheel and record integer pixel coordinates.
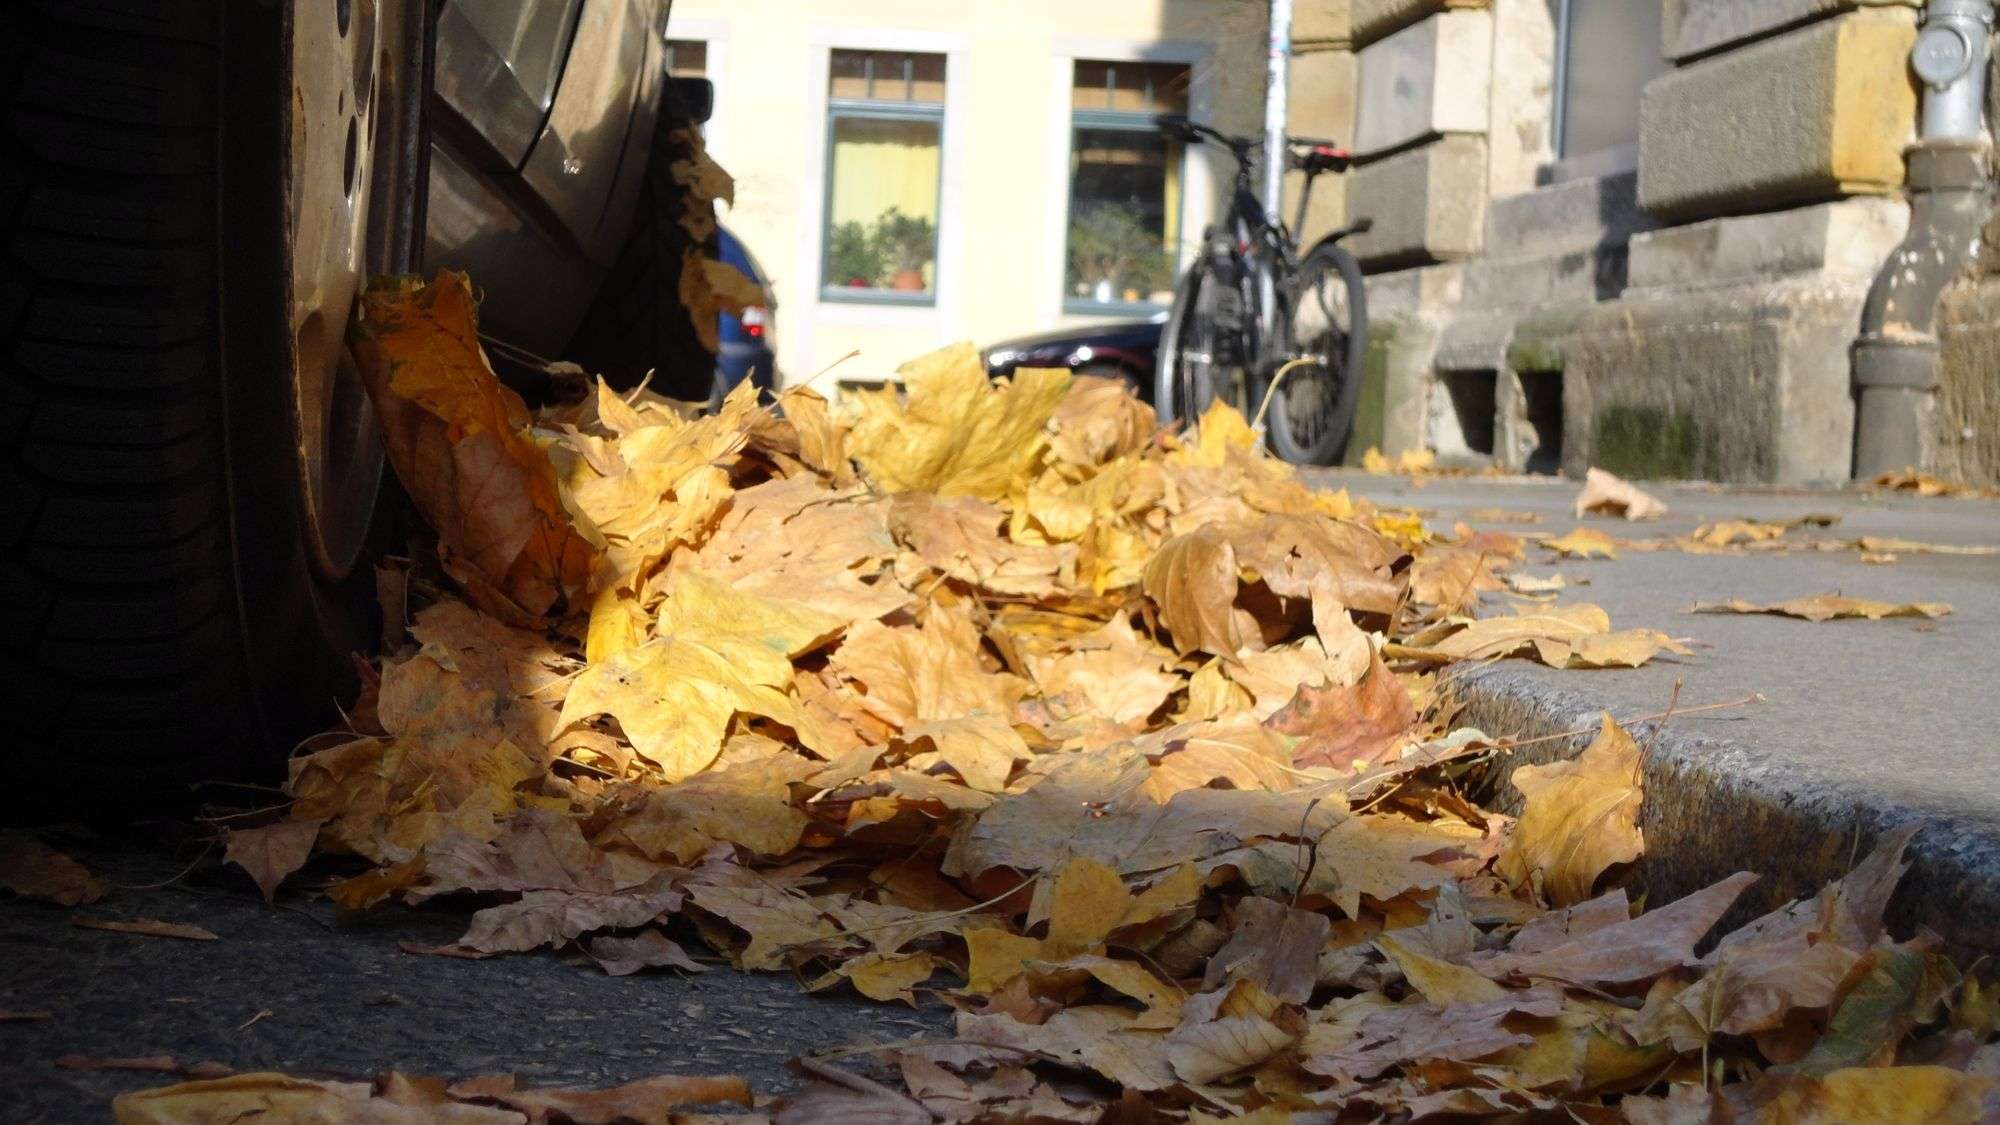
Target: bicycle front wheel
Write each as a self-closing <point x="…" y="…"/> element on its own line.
<point x="1312" y="406"/>
<point x="1204" y="347"/>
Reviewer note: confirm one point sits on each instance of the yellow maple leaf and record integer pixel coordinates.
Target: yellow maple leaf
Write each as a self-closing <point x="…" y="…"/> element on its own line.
<point x="458" y="440"/>
<point x="1581" y="818"/>
<point x="675" y="696"/>
<point x="960" y="433"/>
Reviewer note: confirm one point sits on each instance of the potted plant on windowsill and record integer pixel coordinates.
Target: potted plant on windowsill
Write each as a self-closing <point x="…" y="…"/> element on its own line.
<point x="852" y="261"/>
<point x="906" y="243"/>
<point x="1109" y="247"/>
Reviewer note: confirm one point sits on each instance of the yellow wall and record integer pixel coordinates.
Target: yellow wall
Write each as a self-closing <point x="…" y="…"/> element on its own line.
<point x="1000" y="265"/>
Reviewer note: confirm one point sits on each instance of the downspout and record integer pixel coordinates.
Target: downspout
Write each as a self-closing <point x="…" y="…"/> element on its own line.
<point x="1277" y="94"/>
<point x="1897" y="359"/>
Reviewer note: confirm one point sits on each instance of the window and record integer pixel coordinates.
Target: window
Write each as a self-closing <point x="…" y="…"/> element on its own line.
<point x="1607" y="50"/>
<point x="1124" y="185"/>
<point x="687" y="58"/>
<point x="885" y="134"/>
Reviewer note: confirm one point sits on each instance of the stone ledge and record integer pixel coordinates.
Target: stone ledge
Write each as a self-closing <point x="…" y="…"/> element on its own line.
<point x="1849" y="238"/>
<point x="1318" y="22"/>
<point x="1697" y="27"/>
<point x="1429" y="79"/>
<point x="1428" y="204"/>
<point x="1523" y="281"/>
<point x="1573" y="215"/>
<point x="1741" y="384"/>
<point x="1816" y="113"/>
<point x="1373" y="19"/>
<point x="1423" y="289"/>
<point x="1717" y="806"/>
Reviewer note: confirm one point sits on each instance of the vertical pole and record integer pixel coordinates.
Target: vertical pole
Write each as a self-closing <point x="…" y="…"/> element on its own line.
<point x="1559" y="125"/>
<point x="1276" y="92"/>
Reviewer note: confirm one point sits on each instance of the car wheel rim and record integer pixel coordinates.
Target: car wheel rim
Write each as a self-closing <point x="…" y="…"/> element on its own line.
<point x="349" y="202"/>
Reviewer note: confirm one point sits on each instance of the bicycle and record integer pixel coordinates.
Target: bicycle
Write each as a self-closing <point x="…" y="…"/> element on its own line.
<point x="1240" y="329"/>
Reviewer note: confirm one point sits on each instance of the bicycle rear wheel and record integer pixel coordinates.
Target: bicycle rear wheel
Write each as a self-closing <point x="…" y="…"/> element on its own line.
<point x="1326" y="326"/>
<point x="1204" y="347"/>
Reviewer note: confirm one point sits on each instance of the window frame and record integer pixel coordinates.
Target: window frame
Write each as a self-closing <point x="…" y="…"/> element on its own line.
<point x="871" y="109"/>
<point x="1563" y="166"/>
<point x="1122" y="121"/>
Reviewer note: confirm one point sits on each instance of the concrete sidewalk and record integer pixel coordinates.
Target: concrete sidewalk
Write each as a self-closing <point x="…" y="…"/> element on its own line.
<point x="1864" y="725"/>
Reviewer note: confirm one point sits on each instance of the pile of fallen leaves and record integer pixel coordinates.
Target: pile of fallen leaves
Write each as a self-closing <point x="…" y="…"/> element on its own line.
<point x="1124" y="743"/>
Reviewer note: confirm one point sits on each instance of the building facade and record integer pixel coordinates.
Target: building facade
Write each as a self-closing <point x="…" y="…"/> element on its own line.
<point x="1640" y="234"/>
<point x="1643" y="234"/>
<point x="912" y="173"/>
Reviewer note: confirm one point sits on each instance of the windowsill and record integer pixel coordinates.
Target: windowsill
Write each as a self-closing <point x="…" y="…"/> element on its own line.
<point x="1592" y="165"/>
<point x="1136" y="310"/>
<point x="844" y="295"/>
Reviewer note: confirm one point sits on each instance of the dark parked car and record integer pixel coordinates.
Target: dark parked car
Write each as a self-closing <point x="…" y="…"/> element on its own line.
<point x="1124" y="349"/>
<point x="194" y="490"/>
<point x="747" y="340"/>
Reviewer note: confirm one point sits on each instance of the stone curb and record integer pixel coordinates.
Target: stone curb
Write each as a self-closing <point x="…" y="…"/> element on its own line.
<point x="1715" y="806"/>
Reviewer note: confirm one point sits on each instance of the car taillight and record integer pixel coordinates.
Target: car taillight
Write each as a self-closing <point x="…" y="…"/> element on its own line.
<point x="754" y="319"/>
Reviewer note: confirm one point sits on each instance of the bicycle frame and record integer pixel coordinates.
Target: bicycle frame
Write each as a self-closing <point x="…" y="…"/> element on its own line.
<point x="1248" y="332"/>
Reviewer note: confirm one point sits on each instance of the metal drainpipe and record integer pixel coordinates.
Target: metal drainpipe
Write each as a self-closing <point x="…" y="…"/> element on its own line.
<point x="1897" y="361"/>
<point x="1277" y="96"/>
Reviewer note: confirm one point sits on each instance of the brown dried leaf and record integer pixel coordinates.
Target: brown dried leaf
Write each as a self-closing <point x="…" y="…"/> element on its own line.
<point x="1628" y="951"/>
<point x="647" y="949"/>
<point x="1610" y="495"/>
<point x="1275" y="946"/>
<point x="649" y="1101"/>
<point x="1582" y="543"/>
<point x="1192" y="578"/>
<point x="961" y="538"/>
<point x="147" y="927"/>
<point x="1573" y="636"/>
<point x="272" y="852"/>
<point x="458" y="440"/>
<point x="1581" y="818"/>
<point x="1350" y="726"/>
<point x="1830" y="607"/>
<point x="32" y="869"/>
<point x="540" y="918"/>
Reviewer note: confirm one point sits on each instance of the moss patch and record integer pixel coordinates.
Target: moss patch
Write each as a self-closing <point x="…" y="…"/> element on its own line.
<point x="1646" y="442"/>
<point x="1370" y="405"/>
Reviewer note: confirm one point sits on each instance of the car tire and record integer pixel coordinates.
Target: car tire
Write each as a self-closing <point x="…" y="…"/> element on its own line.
<point x="167" y="613"/>
<point x="638" y="326"/>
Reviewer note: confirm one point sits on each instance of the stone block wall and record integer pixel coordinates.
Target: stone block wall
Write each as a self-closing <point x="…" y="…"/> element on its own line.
<point x="1690" y="316"/>
<point x="1965" y="418"/>
<point x="1818" y="112"/>
<point x="1691" y="28"/>
<point x="1772" y="155"/>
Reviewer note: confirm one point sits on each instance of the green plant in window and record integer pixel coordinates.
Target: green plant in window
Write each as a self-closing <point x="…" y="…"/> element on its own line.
<point x="851" y="256"/>
<point x="1113" y="254"/>
<point x="905" y="244"/>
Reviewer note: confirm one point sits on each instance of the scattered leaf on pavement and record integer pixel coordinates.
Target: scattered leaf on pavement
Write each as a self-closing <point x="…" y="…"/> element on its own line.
<point x="272" y="851"/>
<point x="32" y="869"/>
<point x="1610" y="495"/>
<point x="1830" y="607"/>
<point x="1582" y="543"/>
<point x="147" y="927"/>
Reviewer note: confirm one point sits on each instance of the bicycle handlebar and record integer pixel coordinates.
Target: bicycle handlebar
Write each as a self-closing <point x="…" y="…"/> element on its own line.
<point x="1311" y="153"/>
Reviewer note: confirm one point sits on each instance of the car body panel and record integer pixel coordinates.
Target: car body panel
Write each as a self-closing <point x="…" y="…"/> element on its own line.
<point x="472" y="226"/>
<point x="1129" y="346"/>
<point x="603" y="107"/>
<point x="582" y="80"/>
<point x="497" y="67"/>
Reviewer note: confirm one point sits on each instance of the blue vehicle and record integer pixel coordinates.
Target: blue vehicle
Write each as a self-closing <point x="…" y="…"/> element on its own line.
<point x="745" y="351"/>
